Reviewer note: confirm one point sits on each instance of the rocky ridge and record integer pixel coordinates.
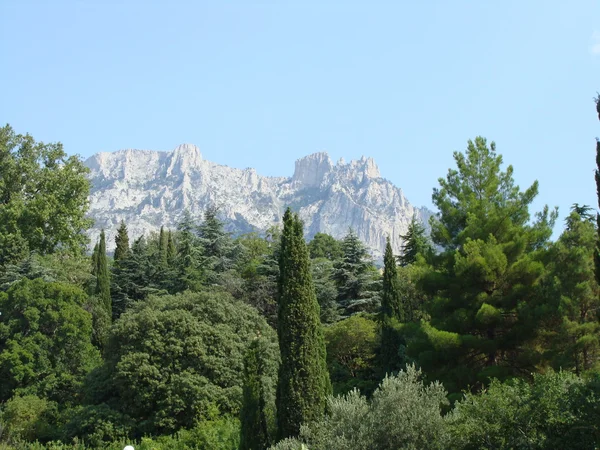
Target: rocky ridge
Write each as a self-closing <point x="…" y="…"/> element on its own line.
<point x="151" y="188"/>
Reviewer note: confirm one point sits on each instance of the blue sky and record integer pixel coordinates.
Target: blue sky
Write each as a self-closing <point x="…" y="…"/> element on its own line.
<point x="260" y="84"/>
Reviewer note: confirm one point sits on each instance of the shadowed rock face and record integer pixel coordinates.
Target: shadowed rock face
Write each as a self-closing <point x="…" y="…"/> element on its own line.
<point x="148" y="189"/>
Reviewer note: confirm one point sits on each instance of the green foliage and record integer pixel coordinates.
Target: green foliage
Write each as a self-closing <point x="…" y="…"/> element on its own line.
<point x="258" y="415"/>
<point x="355" y="277"/>
<point x="325" y="246"/>
<point x="572" y="337"/>
<point x="303" y="379"/>
<point x="352" y="345"/>
<point x="43" y="198"/>
<point x="486" y="304"/>
<point x="597" y="177"/>
<point x="322" y="273"/>
<point x="404" y="413"/>
<point x="27" y="418"/>
<point x="121" y="243"/>
<point x="45" y="341"/>
<point x="102" y="290"/>
<point x="558" y="410"/>
<point x="97" y="424"/>
<point x="415" y="243"/>
<point x="259" y="269"/>
<point x="171" y="360"/>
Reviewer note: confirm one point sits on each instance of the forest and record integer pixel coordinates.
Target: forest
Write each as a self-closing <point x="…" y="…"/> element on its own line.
<point x="482" y="334"/>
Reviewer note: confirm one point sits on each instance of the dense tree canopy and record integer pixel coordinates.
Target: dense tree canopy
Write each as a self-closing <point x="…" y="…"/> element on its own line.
<point x="43" y="197"/>
<point x="45" y="341"/>
<point x="171" y="359"/>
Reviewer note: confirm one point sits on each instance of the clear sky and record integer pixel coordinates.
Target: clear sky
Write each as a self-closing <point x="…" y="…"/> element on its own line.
<point x="260" y="84"/>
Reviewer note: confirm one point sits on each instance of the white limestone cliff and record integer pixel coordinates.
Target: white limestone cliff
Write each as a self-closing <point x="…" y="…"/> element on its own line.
<point x="148" y="189"/>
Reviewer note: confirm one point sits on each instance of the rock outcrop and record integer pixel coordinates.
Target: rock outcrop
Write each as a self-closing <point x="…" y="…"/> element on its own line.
<point x="149" y="189"/>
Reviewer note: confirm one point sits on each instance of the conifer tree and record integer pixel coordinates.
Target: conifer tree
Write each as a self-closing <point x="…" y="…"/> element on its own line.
<point x="415" y="242"/>
<point x="303" y="378"/>
<point x="597" y="176"/>
<point x="102" y="276"/>
<point x="189" y="272"/>
<point x="354" y="277"/>
<point x="217" y="246"/>
<point x="95" y="261"/>
<point x="171" y="251"/>
<point x="575" y="340"/>
<point x="390" y="308"/>
<point x="163" y="244"/>
<point x="257" y="415"/>
<point x="486" y="306"/>
<point x="121" y="243"/>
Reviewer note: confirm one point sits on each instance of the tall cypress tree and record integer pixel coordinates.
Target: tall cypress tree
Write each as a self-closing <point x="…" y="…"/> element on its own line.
<point x="171" y="251"/>
<point x="597" y="174"/>
<point x="257" y="415"/>
<point x="303" y="378"/>
<point x="102" y="276"/>
<point x="163" y="244"/>
<point x="121" y="243"/>
<point x="390" y="297"/>
<point x="390" y="309"/>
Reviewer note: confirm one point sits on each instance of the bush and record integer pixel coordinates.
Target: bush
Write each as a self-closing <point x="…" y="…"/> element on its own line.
<point x="404" y="413"/>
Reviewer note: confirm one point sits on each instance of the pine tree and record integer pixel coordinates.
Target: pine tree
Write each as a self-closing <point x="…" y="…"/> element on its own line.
<point x="575" y="343"/>
<point x="303" y="378"/>
<point x="122" y="249"/>
<point x="94" y="269"/>
<point x="486" y="305"/>
<point x="257" y="415"/>
<point x="415" y="242"/>
<point x="102" y="276"/>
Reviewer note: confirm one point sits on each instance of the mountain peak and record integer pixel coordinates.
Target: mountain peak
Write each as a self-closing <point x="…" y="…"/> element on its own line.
<point x="312" y="169"/>
<point x="151" y="189"/>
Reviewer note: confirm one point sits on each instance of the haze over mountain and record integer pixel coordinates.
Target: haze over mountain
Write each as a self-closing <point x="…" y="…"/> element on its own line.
<point x="148" y="189"/>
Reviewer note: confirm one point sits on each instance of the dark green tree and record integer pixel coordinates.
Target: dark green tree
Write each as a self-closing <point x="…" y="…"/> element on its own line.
<point x="354" y="276"/>
<point x="486" y="305"/>
<point x="324" y="245"/>
<point x="258" y="416"/>
<point x="391" y="310"/>
<point x="574" y="336"/>
<point x="303" y="378"/>
<point x="415" y="242"/>
<point x="163" y="245"/>
<point x="102" y="276"/>
<point x="322" y="273"/>
<point x="189" y="254"/>
<point x="43" y="198"/>
<point x="597" y="176"/>
<point x="217" y="246"/>
<point x="171" y="359"/>
<point x="171" y="250"/>
<point x="45" y="341"/>
<point x="122" y="249"/>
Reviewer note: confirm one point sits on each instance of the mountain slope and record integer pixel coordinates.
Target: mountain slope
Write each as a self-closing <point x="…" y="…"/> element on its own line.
<point x="149" y="189"/>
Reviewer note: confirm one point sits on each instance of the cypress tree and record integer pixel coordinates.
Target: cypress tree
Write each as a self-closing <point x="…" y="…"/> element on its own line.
<point x="303" y="378"/>
<point x="597" y="175"/>
<point x="121" y="243"/>
<point x="102" y="276"/>
<point x="390" y="309"/>
<point x="95" y="260"/>
<point x="390" y="297"/>
<point x="171" y="251"/>
<point x="257" y="415"/>
<point x="163" y="244"/>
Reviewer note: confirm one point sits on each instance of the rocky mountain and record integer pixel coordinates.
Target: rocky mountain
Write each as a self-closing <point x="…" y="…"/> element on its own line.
<point x="151" y="188"/>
